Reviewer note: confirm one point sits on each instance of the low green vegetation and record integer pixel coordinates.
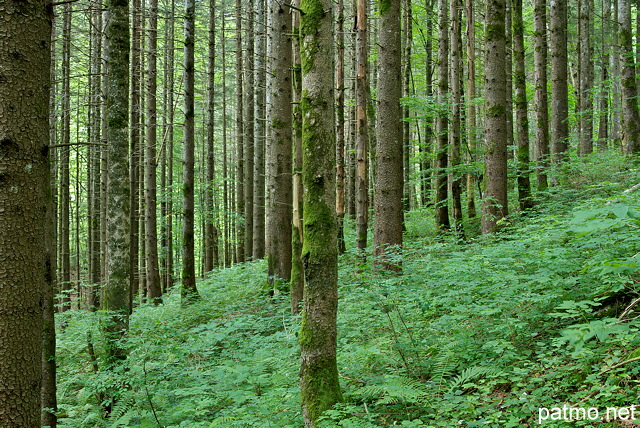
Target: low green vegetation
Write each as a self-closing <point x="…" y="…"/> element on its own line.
<point x="494" y="332"/>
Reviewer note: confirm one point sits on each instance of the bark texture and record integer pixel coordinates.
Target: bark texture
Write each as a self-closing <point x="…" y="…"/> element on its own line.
<point x="319" y="384"/>
<point x="559" y="88"/>
<point x="25" y="55"/>
<point x="442" y="122"/>
<point x="630" y="115"/>
<point x="542" y="98"/>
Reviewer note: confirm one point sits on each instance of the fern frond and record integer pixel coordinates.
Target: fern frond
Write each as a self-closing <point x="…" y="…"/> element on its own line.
<point x="469" y="374"/>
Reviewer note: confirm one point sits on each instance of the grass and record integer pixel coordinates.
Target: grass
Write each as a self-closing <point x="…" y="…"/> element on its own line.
<point x="482" y="333"/>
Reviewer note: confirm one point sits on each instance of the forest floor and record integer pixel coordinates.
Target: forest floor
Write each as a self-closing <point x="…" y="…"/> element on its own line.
<point x="533" y="326"/>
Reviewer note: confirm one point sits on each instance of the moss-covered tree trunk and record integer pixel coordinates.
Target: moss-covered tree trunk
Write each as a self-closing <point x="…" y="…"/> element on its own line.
<point x="248" y="127"/>
<point x="340" y="126"/>
<point x="455" y="67"/>
<point x="631" y="118"/>
<point x="320" y="388"/>
<point x="494" y="204"/>
<point x="259" y="205"/>
<point x="25" y="55"/>
<point x="239" y="224"/>
<point x="586" y="77"/>
<point x="559" y="88"/>
<point x="297" y="274"/>
<point x="471" y="109"/>
<point x="541" y="97"/>
<point x="522" y="121"/>
<point x="279" y="152"/>
<point x="442" y="121"/>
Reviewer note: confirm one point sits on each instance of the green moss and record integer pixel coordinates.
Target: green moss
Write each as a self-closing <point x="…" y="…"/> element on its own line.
<point x="495" y="32"/>
<point x="384" y="6"/>
<point x="311" y="19"/>
<point x="496" y="111"/>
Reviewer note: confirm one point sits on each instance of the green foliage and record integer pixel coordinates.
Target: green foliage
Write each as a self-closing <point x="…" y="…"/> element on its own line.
<point x="472" y="334"/>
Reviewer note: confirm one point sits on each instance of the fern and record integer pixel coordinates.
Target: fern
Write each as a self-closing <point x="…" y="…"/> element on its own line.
<point x="442" y="369"/>
<point x="468" y="375"/>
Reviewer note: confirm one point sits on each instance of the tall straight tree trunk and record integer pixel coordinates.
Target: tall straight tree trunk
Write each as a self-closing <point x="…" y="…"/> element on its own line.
<point x="630" y="116"/>
<point x="455" y="64"/>
<point x="616" y="131"/>
<point x="319" y="384"/>
<point x="153" y="270"/>
<point x="189" y="290"/>
<point x="586" y="78"/>
<point x="259" y="134"/>
<point x="25" y="55"/>
<point x="471" y="110"/>
<point x="297" y="272"/>
<point x="134" y="150"/>
<point x="340" y="128"/>
<point x="248" y="125"/>
<point x="362" y="135"/>
<point x="426" y="172"/>
<point x="389" y="215"/>
<point x="559" y="88"/>
<point x="240" y="177"/>
<point x="169" y="133"/>
<point x="603" y="122"/>
<point x="225" y="154"/>
<point x="210" y="232"/>
<point x="407" y="42"/>
<point x="522" y="121"/>
<point x="64" y="236"/>
<point x="542" y="97"/>
<point x="494" y="204"/>
<point x="508" y="76"/>
<point x="442" y="122"/>
<point x="116" y="290"/>
<point x="279" y="150"/>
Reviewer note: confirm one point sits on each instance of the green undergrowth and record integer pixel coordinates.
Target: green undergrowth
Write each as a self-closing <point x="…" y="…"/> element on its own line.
<point x="490" y="332"/>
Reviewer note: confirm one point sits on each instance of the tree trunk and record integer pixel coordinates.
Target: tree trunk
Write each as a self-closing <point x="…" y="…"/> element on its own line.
<point x="494" y="204"/>
<point x="522" y="120"/>
<point x="25" y="55"/>
<point x="297" y="270"/>
<point x="319" y="384"/>
<point x="340" y="128"/>
<point x="603" y="123"/>
<point x="279" y="150"/>
<point x="116" y="291"/>
<point x="455" y="64"/>
<point x="442" y="129"/>
<point x="248" y="125"/>
<point x="153" y="270"/>
<point x="631" y="118"/>
<point x="407" y="41"/>
<point x="135" y="149"/>
<point x="362" y="136"/>
<point x="559" y="88"/>
<point x="471" y="110"/>
<point x="586" y="78"/>
<point x="189" y="290"/>
<point x="542" y="98"/>
<point x="259" y="134"/>
<point x="240" y="177"/>
<point x="225" y="155"/>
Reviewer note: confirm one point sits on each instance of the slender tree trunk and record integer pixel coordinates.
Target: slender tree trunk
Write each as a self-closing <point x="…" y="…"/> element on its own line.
<point x="471" y="109"/>
<point x="25" y="55"/>
<point x="494" y="206"/>
<point x="116" y="291"/>
<point x="319" y="384"/>
<point x="340" y="128"/>
<point x="616" y="130"/>
<point x="442" y="123"/>
<point x="407" y="42"/>
<point x="362" y="136"/>
<point x="426" y="172"/>
<point x="586" y="78"/>
<point x="279" y="150"/>
<point x="240" y="177"/>
<point x="559" y="88"/>
<point x="297" y="272"/>
<point x="508" y="76"/>
<point x="153" y="270"/>
<point x="225" y="155"/>
<point x="522" y="121"/>
<point x="189" y="290"/>
<point x="455" y="64"/>
<point x="64" y="236"/>
<point x="603" y="123"/>
<point x="170" y="117"/>
<point x="631" y="118"/>
<point x="210" y="232"/>
<point x="542" y="98"/>
<point x="248" y="125"/>
<point x="135" y="150"/>
<point x="259" y="134"/>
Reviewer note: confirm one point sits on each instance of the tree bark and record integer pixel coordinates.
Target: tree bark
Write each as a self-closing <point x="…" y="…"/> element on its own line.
<point x="471" y="110"/>
<point x="362" y="135"/>
<point x="455" y="64"/>
<point x="319" y="384"/>
<point x="442" y="122"/>
<point x="542" y="97"/>
<point x="279" y="149"/>
<point x="248" y="125"/>
<point x="64" y="236"/>
<point x="494" y="204"/>
<point x="586" y="78"/>
<point x="240" y="177"/>
<point x="25" y="205"/>
<point x="559" y="88"/>
<point x="259" y="134"/>
<point x="631" y="118"/>
<point x="189" y="290"/>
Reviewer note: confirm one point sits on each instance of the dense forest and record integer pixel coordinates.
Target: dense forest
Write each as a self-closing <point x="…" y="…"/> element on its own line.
<point x="320" y="213"/>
